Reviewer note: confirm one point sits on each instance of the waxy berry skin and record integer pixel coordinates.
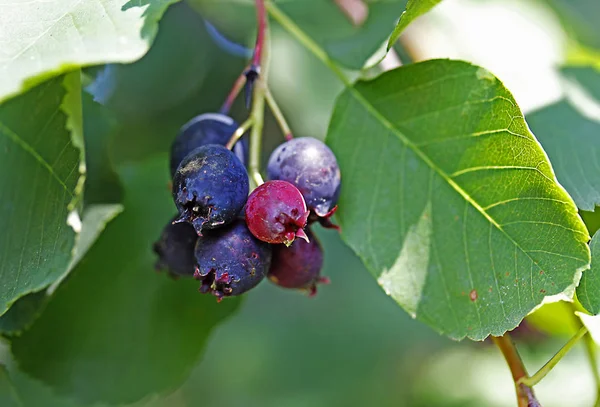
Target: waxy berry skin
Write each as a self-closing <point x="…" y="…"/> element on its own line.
<point x="276" y="212"/>
<point x="175" y="249"/>
<point x="230" y="261"/>
<point x="299" y="265"/>
<point x="210" y="187"/>
<point x="207" y="128"/>
<point x="312" y="167"/>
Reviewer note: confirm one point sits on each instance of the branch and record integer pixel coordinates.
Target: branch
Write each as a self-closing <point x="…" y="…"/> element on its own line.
<point x="525" y="396"/>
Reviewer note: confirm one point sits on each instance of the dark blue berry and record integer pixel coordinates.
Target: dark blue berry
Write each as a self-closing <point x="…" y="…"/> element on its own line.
<point x="175" y="249"/>
<point x="210" y="187"/>
<point x="230" y="260"/>
<point x="208" y="128"/>
<point x="299" y="265"/>
<point x="312" y="167"/>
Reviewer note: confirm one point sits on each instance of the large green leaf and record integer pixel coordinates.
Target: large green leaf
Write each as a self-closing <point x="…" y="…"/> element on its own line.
<point x="41" y="39"/>
<point x="349" y="45"/>
<point x="414" y="9"/>
<point x="588" y="291"/>
<point x="450" y="201"/>
<point x="38" y="177"/>
<point x="572" y="143"/>
<point x="116" y="330"/>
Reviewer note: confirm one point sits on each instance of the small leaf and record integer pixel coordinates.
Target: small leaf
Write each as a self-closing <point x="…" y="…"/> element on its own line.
<point x="414" y="9"/>
<point x="450" y="201"/>
<point x="41" y="39"/>
<point x="587" y="76"/>
<point x="135" y="331"/>
<point x="592" y="323"/>
<point x="588" y="291"/>
<point x="39" y="170"/>
<point x="573" y="146"/>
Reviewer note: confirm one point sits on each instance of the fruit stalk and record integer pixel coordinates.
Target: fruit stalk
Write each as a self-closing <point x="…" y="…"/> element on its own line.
<point x="258" y="96"/>
<point x="238" y="133"/>
<point x="238" y="85"/>
<point x="261" y="18"/>
<point x="283" y="125"/>
<point x="525" y="396"/>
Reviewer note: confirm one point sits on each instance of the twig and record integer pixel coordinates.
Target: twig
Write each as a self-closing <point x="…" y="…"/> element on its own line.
<point x="525" y="395"/>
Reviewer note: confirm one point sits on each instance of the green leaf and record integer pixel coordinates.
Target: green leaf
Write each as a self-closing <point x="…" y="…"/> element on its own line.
<point x="8" y="395"/>
<point x="449" y="200"/>
<point x="39" y="170"/>
<point x="42" y="39"/>
<point x="414" y="9"/>
<point x="22" y="313"/>
<point x="580" y="18"/>
<point x="572" y="144"/>
<point x="555" y="318"/>
<point x="135" y="332"/>
<point x="588" y="291"/>
<point x="322" y="20"/>
<point x="587" y="76"/>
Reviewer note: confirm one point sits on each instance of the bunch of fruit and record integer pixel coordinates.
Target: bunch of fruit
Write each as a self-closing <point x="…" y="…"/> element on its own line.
<point x="229" y="240"/>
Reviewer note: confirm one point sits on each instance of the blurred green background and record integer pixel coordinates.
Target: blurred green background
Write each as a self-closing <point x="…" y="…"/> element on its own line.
<point x="350" y="345"/>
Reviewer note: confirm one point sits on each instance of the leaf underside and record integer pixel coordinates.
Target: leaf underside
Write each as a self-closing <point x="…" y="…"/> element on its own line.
<point x="588" y="291"/>
<point x="450" y="201"/>
<point x="414" y="9"/>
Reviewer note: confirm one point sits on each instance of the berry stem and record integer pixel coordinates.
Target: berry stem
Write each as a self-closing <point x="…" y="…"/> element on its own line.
<point x="308" y="42"/>
<point x="261" y="18"/>
<point x="283" y="125"/>
<point x="239" y="133"/>
<point x="238" y="85"/>
<point x="257" y="112"/>
<point x="525" y="396"/>
<point x="544" y="370"/>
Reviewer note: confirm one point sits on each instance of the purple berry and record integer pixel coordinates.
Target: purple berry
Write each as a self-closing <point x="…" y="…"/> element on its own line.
<point x="312" y="167"/>
<point x="298" y="266"/>
<point x="230" y="261"/>
<point x="175" y="249"/>
<point x="276" y="212"/>
<point x="210" y="187"/>
<point x="207" y="128"/>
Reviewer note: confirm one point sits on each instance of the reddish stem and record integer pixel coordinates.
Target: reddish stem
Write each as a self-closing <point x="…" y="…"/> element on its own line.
<point x="261" y="18"/>
<point x="238" y="85"/>
<point x="525" y="396"/>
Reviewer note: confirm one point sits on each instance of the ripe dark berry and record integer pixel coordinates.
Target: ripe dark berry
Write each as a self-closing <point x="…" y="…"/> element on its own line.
<point x="312" y="167"/>
<point x="208" y="128"/>
<point x="230" y="260"/>
<point x="298" y="266"/>
<point x="210" y="187"/>
<point x="175" y="249"/>
<point x="276" y="212"/>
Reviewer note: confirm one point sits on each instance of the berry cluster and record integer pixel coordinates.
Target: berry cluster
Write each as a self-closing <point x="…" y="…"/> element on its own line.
<point x="231" y="240"/>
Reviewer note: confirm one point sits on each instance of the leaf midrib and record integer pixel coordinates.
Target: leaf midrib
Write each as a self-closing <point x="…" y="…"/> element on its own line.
<point x="378" y="116"/>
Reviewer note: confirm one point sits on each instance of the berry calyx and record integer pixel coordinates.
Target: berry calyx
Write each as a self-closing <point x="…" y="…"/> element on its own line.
<point x="207" y="128"/>
<point x="312" y="167"/>
<point x="175" y="249"/>
<point x="210" y="187"/>
<point x="298" y="266"/>
<point x="230" y="260"/>
<point x="277" y="213"/>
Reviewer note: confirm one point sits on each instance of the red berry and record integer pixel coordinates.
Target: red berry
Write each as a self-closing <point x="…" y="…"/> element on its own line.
<point x="276" y="212"/>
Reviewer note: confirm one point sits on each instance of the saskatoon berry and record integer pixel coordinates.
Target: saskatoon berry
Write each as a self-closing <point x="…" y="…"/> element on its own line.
<point x="312" y="167"/>
<point x="298" y="266"/>
<point x="208" y="128"/>
<point x="276" y="212"/>
<point x="230" y="260"/>
<point x="175" y="249"/>
<point x="210" y="187"/>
